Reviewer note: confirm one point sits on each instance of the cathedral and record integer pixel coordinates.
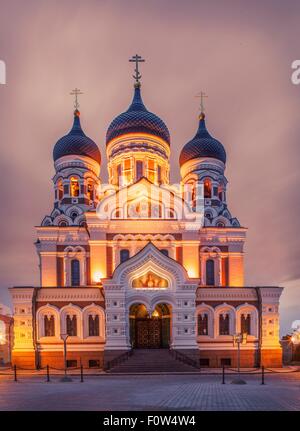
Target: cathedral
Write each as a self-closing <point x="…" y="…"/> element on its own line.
<point x="139" y="263"/>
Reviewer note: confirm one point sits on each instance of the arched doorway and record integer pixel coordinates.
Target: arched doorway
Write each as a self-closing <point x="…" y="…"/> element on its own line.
<point x="150" y="332"/>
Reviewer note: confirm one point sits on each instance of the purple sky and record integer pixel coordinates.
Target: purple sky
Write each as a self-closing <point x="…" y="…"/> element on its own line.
<point x="239" y="53"/>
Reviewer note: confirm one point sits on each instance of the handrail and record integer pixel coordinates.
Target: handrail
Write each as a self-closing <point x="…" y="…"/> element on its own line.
<point x="119" y="359"/>
<point x="179" y="356"/>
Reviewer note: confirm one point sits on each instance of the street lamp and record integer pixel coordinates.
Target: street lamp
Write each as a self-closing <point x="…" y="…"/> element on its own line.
<point x="239" y="339"/>
<point x="64" y="337"/>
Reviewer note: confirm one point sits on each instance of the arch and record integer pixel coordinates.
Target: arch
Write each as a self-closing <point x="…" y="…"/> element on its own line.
<point x="206" y="309"/>
<point x="75" y="272"/>
<point x="222" y="310"/>
<point x="221" y="219"/>
<point x="150" y="328"/>
<point x="207" y="185"/>
<point x="71" y="310"/>
<point x="62" y="218"/>
<point x="90" y="190"/>
<point x="60" y="189"/>
<point x="72" y="253"/>
<point x="74" y="186"/>
<point x="150" y="258"/>
<point x="210" y="272"/>
<point x="93" y="310"/>
<point x="48" y="310"/>
<point x="162" y="299"/>
<point x="251" y="310"/>
<point x="47" y="221"/>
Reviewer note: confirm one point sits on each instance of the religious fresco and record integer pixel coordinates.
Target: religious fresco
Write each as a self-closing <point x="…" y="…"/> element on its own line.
<point x="150" y="280"/>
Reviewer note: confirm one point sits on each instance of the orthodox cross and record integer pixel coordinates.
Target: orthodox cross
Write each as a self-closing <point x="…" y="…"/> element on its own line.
<point x="76" y="92"/>
<point x="136" y="59"/>
<point x="202" y="95"/>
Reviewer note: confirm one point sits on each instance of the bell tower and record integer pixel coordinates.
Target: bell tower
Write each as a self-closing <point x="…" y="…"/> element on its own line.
<point x="137" y="142"/>
<point x="77" y="164"/>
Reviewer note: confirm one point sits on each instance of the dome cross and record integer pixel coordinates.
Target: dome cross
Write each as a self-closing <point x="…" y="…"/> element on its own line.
<point x="76" y="92"/>
<point x="137" y="76"/>
<point x="202" y="96"/>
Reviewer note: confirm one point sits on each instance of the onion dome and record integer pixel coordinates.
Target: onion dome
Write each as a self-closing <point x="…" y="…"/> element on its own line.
<point x="76" y="143"/>
<point x="137" y="119"/>
<point x="202" y="145"/>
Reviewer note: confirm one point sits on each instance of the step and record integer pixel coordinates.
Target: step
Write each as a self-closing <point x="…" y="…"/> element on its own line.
<point x="152" y="361"/>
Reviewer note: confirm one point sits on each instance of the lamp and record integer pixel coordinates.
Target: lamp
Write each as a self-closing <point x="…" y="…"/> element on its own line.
<point x="64" y="337"/>
<point x="238" y="339"/>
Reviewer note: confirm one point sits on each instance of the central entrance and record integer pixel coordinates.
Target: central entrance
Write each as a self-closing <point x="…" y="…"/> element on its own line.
<point x="149" y="332"/>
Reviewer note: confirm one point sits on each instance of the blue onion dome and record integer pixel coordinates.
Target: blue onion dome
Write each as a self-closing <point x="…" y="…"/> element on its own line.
<point x="76" y="143"/>
<point x="202" y="145"/>
<point x="137" y="119"/>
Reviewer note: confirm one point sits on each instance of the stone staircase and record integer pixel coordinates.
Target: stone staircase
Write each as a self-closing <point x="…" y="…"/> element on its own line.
<point x="144" y="361"/>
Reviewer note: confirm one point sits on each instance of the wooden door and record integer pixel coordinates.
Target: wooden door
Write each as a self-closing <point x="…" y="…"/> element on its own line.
<point x="148" y="333"/>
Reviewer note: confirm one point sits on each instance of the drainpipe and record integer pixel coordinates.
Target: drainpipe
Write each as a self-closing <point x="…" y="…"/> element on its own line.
<point x="259" y="300"/>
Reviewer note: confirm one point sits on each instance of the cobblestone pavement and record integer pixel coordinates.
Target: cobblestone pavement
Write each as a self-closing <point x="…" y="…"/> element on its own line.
<point x="175" y="392"/>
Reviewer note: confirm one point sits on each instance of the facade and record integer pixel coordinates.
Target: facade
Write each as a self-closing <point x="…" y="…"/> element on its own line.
<point x="6" y="335"/>
<point x="138" y="262"/>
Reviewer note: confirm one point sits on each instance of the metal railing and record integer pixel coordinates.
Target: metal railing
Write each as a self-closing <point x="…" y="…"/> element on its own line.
<point x="182" y="357"/>
<point x="118" y="360"/>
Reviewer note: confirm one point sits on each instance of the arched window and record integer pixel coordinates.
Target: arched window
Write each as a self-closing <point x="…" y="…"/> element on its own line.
<point x="90" y="191"/>
<point x="49" y="326"/>
<point x="207" y="188"/>
<point x="165" y="252"/>
<point x="124" y="255"/>
<point x="60" y="189"/>
<point x="63" y="223"/>
<point x="159" y="174"/>
<point x="202" y="324"/>
<point x="220" y="193"/>
<point x="224" y="324"/>
<point x="74" y="187"/>
<point x="94" y="325"/>
<point x="73" y="215"/>
<point x="75" y="272"/>
<point x="210" y="272"/>
<point x="139" y="169"/>
<point x="246" y="324"/>
<point x="2" y="329"/>
<point x="71" y="325"/>
<point x="151" y="170"/>
<point x="119" y="174"/>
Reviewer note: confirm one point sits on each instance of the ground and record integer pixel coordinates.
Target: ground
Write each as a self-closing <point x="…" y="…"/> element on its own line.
<point x="173" y="392"/>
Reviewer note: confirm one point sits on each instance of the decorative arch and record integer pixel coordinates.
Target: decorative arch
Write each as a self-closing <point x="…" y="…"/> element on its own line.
<point x="93" y="310"/>
<point x="222" y="310"/>
<point x="150" y="258"/>
<point x="203" y="309"/>
<point x="71" y="310"/>
<point x="47" y="311"/>
<point x="74" y="253"/>
<point x="211" y="254"/>
<point x="251" y="310"/>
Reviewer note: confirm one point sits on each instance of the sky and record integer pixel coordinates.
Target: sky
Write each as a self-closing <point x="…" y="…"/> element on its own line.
<point x="238" y="52"/>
